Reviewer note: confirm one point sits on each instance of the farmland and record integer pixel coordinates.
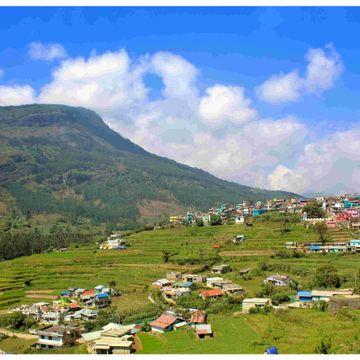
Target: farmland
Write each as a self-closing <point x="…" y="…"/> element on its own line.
<point x="40" y="277"/>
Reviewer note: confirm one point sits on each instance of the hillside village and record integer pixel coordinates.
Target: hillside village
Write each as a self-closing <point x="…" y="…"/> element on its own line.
<point x="184" y="301"/>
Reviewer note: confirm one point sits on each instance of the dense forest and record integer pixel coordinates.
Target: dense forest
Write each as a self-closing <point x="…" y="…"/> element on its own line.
<point x="57" y="159"/>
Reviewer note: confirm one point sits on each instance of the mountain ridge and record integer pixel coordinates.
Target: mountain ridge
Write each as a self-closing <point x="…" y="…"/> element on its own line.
<point x="66" y="159"/>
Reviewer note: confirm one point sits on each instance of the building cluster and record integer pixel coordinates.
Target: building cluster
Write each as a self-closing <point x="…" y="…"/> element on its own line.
<point x="74" y="304"/>
<point x="177" y="284"/>
<point x="344" y="210"/>
<point x="352" y="246"/>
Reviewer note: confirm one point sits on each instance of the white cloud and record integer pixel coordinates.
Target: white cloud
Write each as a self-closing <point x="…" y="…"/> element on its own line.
<point x="177" y="74"/>
<point x="281" y="88"/>
<point x="225" y="103"/>
<point x="323" y="69"/>
<point x="106" y="83"/>
<point x="47" y="52"/>
<point x="328" y="164"/>
<point x="16" y="95"/>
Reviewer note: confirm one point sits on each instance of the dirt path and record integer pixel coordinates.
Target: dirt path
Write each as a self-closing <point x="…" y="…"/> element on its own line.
<point x="247" y="253"/>
<point x="18" y="335"/>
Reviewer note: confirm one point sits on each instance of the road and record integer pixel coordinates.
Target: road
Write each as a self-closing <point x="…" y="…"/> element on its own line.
<point x="19" y="335"/>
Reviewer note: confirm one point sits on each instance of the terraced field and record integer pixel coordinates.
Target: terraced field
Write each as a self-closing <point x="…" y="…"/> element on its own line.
<point x="39" y="277"/>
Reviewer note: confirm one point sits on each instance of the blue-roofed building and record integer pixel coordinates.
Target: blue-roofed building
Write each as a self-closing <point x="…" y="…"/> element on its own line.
<point x="315" y="247"/>
<point x="271" y="350"/>
<point x="182" y="284"/>
<point x="304" y="296"/>
<point x="257" y="212"/>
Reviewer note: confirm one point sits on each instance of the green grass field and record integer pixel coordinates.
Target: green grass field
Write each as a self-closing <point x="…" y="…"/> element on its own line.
<point x="135" y="268"/>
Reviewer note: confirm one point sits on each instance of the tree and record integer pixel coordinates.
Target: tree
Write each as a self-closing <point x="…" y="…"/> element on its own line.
<point x="314" y="209"/>
<point x="321" y="230"/>
<point x="199" y="222"/>
<point x="215" y="220"/>
<point x="166" y="256"/>
<point x="326" y="276"/>
<point x="112" y="284"/>
<point x="16" y="320"/>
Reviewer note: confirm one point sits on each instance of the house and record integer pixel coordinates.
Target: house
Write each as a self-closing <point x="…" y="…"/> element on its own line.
<point x="197" y="317"/>
<point x="291" y="245"/>
<point x="249" y="303"/>
<point x="233" y="289"/>
<point x="57" y="337"/>
<point x="278" y="280"/>
<point x="113" y="345"/>
<point x="161" y="283"/>
<point x="203" y="331"/>
<point x="244" y="271"/>
<point x="239" y="219"/>
<point x="102" y="300"/>
<point x="221" y="283"/>
<point x="210" y="281"/>
<point x="304" y="296"/>
<point x="325" y="295"/>
<point x="182" y="284"/>
<point x="87" y="295"/>
<point x="336" y="303"/>
<point x="239" y="238"/>
<point x="164" y="323"/>
<point x="194" y="278"/>
<point x="354" y="245"/>
<point x="211" y="294"/>
<point x="174" y="293"/>
<point x="50" y="317"/>
<point x="114" y="242"/>
<point x="221" y="269"/>
<point x="257" y="212"/>
<point x="99" y="288"/>
<point x="173" y="276"/>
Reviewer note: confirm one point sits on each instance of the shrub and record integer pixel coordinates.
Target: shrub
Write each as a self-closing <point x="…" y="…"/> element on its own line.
<point x="324" y="347"/>
<point x="264" y="310"/>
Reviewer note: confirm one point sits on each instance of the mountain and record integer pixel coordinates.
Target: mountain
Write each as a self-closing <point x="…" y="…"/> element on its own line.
<point x="57" y="159"/>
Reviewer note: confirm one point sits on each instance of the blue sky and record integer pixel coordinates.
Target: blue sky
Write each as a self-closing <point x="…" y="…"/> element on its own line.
<point x="234" y="47"/>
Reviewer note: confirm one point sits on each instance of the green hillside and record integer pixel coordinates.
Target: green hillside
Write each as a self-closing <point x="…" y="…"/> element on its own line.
<point x="56" y="159"/>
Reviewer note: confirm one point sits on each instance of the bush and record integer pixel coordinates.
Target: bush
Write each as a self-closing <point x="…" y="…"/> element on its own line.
<point x="324" y="347"/>
<point x="280" y="298"/>
<point x="215" y="220"/>
<point x="264" y="310"/>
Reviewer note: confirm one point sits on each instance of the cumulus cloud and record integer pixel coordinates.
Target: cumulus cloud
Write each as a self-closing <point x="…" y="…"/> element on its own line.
<point x="225" y="103"/>
<point x="330" y="164"/>
<point x="323" y="69"/>
<point x="16" y="95"/>
<point x="46" y="52"/>
<point x="106" y="82"/>
<point x="177" y="74"/>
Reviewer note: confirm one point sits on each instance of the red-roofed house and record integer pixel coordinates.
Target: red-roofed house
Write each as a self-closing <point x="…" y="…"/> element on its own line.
<point x="164" y="323"/>
<point x="87" y="294"/>
<point x="211" y="294"/>
<point x="198" y="317"/>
